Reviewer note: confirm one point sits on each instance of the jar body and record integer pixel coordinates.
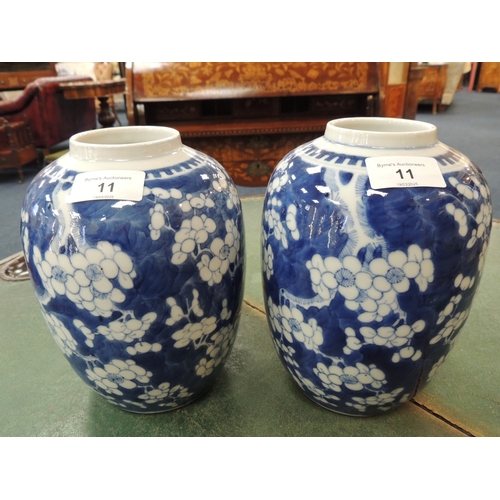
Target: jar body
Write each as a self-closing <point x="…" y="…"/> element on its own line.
<point x="367" y="289"/>
<point x="143" y="297"/>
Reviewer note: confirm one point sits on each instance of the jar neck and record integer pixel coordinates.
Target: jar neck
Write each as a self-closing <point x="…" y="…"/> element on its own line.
<point x="380" y="132"/>
<point x="124" y="143"/>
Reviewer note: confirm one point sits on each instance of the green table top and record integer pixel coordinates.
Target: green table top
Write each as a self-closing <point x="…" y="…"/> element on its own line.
<point x="40" y="395"/>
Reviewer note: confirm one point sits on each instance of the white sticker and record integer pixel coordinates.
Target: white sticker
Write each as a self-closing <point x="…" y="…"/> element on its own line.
<point x="108" y="185"/>
<point x="404" y="171"/>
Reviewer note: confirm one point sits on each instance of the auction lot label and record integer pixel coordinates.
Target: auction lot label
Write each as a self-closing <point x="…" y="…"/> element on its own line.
<point x="404" y="171"/>
<point x="108" y="185"/>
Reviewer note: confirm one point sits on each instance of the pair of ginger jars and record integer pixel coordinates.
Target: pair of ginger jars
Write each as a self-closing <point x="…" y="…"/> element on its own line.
<point x="373" y="237"/>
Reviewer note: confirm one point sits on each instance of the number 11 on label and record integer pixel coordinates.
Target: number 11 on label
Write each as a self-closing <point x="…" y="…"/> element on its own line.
<point x="403" y="172"/>
<point x="408" y="172"/>
<point x="108" y="185"/>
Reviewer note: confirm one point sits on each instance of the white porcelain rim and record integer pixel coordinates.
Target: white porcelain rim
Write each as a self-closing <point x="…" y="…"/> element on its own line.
<point x="381" y="132"/>
<point x="124" y="143"/>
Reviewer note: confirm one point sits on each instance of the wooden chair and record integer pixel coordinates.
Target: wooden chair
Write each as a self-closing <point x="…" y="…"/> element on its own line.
<point x="103" y="72"/>
<point x="16" y="146"/>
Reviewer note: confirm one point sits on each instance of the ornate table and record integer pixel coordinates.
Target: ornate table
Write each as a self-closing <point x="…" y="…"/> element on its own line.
<point x="100" y="90"/>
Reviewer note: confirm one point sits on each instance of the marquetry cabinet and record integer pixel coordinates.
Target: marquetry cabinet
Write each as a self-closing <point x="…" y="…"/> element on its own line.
<point x="489" y="77"/>
<point x="249" y="115"/>
<point x="432" y="84"/>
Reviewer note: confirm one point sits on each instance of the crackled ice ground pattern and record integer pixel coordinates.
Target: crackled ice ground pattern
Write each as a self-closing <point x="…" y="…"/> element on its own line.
<point x="143" y="298"/>
<point x="367" y="290"/>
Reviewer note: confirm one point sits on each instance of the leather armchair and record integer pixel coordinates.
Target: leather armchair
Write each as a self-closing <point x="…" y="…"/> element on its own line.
<point x="52" y="118"/>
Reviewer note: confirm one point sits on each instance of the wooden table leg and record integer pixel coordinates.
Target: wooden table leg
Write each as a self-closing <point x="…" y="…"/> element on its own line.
<point x="472" y="76"/>
<point x="105" y="116"/>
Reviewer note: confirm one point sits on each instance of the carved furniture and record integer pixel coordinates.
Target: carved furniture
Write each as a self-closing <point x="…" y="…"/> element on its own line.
<point x="99" y="72"/>
<point x="16" y="146"/>
<point x="415" y="76"/>
<point x="17" y="75"/>
<point x="433" y="84"/>
<point x="489" y="76"/>
<point x="103" y="72"/>
<point x="102" y="90"/>
<point x="51" y="117"/>
<point x="249" y="115"/>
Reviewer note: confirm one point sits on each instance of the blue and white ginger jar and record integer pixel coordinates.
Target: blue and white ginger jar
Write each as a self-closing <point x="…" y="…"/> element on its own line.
<point x="367" y="289"/>
<point x="142" y="297"/>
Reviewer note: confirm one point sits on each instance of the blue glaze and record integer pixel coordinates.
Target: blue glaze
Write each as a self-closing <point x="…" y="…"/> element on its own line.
<point x="366" y="290"/>
<point x="143" y="298"/>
